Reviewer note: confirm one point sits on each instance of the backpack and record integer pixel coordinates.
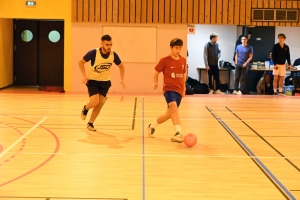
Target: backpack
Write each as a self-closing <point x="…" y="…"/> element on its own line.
<point x="192" y="82"/>
<point x="188" y="89"/>
<point x="201" y="88"/>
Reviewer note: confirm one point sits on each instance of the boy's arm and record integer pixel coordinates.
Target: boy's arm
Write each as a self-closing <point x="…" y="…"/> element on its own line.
<point x="184" y="85"/>
<point x="155" y="80"/>
<point x="205" y="52"/>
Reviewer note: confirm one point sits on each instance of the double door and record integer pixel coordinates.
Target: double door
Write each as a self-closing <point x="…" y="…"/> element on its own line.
<point x="38" y="53"/>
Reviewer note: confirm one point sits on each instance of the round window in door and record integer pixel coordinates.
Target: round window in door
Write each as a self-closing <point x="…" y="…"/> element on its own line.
<point x="54" y="36"/>
<point x="26" y="35"/>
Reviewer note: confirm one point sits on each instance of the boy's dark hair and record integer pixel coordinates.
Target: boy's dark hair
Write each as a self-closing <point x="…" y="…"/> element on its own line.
<point x="244" y="36"/>
<point x="176" y="42"/>
<point x="282" y="35"/>
<point x="213" y="35"/>
<point x="106" y="37"/>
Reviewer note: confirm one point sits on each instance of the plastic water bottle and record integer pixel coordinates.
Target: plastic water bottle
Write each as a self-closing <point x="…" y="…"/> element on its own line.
<point x="267" y="65"/>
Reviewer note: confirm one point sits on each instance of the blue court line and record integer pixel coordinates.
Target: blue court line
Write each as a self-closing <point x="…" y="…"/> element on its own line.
<point x="283" y="189"/>
<point x="143" y="149"/>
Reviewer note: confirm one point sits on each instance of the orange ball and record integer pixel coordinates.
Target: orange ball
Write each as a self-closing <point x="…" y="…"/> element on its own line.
<point x="190" y="139"/>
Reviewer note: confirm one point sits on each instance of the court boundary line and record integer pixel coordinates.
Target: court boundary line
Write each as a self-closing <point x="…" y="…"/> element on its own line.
<point x="263" y="139"/>
<point x="282" y="189"/>
<point x="21" y="138"/>
<point x="143" y="150"/>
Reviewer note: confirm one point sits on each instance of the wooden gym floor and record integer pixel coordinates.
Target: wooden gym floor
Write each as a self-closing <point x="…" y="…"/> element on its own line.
<point x="248" y="148"/>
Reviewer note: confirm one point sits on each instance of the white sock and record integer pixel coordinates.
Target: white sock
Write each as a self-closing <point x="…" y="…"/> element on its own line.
<point x="280" y="89"/>
<point x="275" y="90"/>
<point x="154" y="124"/>
<point x="178" y="128"/>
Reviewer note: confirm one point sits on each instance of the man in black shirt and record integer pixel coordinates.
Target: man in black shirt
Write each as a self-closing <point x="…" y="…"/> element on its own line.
<point x="280" y="54"/>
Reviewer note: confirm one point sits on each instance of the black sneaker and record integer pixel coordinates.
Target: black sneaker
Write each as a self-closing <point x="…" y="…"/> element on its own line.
<point x="275" y="93"/>
<point x="84" y="113"/>
<point x="151" y="131"/>
<point x="90" y="127"/>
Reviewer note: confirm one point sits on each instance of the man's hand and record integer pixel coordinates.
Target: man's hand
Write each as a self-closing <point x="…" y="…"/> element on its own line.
<point x="155" y="86"/>
<point x="207" y="67"/>
<point x="244" y="65"/>
<point x="84" y="80"/>
<point x="122" y="83"/>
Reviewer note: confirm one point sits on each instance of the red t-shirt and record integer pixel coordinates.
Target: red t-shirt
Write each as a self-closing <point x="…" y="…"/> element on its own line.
<point x="173" y="71"/>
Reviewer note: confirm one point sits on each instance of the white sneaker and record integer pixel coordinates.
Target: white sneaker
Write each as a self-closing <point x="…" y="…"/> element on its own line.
<point x="219" y="92"/>
<point x="239" y="92"/>
<point x="151" y="131"/>
<point x="234" y="92"/>
<point x="211" y="92"/>
<point x="177" y="138"/>
<point x="90" y="127"/>
<point x="281" y="94"/>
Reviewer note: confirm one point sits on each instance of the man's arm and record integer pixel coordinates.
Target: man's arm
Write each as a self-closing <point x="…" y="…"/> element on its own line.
<point x="236" y="58"/>
<point x="288" y="57"/>
<point x="122" y="74"/>
<point x="82" y="70"/>
<point x="248" y="61"/>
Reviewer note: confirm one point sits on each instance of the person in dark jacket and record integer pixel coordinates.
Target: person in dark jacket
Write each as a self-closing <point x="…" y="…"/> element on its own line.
<point x="211" y="55"/>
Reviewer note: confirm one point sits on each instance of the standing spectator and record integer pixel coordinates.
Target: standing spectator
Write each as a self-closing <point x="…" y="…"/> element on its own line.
<point x="243" y="56"/>
<point x="212" y="54"/>
<point x="280" y="54"/>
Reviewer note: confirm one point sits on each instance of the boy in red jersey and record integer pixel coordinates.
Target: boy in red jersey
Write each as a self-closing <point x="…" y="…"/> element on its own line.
<point x="173" y="68"/>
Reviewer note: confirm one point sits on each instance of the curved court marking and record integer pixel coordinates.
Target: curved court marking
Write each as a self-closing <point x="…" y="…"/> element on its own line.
<point x="43" y="163"/>
<point x="19" y="150"/>
<point x="21" y="138"/>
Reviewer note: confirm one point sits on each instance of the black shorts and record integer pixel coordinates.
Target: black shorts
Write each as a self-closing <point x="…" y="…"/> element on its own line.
<point x="98" y="87"/>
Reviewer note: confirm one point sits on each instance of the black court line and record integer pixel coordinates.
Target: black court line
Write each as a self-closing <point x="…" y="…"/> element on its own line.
<point x="280" y="136"/>
<point x="134" y="113"/>
<point x="49" y="198"/>
<point x="261" y="137"/>
<point x="258" y="163"/>
<point x="287" y="136"/>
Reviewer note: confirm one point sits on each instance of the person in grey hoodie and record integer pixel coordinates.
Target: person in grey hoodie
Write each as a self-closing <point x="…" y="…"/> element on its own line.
<point x="212" y="54"/>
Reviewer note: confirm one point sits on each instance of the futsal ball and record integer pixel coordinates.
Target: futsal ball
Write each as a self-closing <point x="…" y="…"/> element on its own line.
<point x="190" y="139"/>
